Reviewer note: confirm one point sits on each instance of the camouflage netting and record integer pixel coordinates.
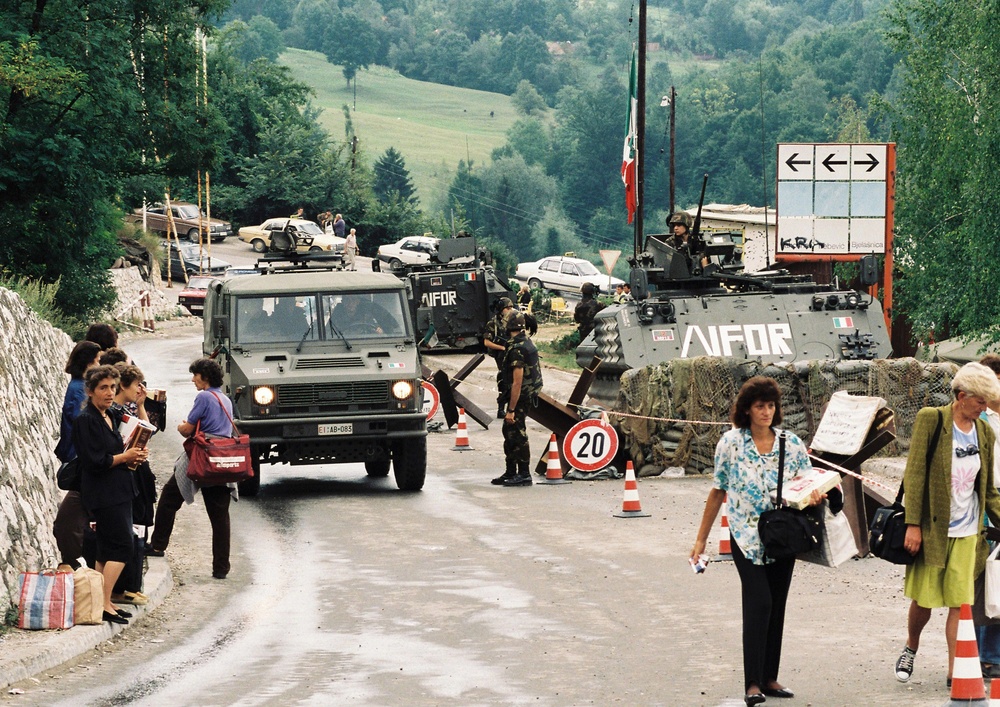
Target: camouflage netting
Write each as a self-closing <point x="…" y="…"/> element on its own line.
<point x="703" y="390"/>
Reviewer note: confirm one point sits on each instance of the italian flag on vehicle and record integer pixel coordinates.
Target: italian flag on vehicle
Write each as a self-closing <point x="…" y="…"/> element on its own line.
<point x="843" y="322"/>
<point x="630" y="160"/>
<point x="470" y="276"/>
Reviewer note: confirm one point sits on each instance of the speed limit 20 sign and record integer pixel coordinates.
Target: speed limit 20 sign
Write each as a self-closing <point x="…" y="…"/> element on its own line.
<point x="590" y="445"/>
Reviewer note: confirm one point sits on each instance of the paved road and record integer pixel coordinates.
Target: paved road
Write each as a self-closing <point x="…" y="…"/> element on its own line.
<point x="347" y="591"/>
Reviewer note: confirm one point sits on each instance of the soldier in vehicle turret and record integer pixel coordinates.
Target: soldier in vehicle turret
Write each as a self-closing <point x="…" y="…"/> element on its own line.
<point x="680" y="226"/>
<point x="523" y="378"/>
<point x="584" y="313"/>
<point x="495" y="341"/>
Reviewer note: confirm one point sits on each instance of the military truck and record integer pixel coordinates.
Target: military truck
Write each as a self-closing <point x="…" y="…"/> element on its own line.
<point x="452" y="297"/>
<point x="322" y="367"/>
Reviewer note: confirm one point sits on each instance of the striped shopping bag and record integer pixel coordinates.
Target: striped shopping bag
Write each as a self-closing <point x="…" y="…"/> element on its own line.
<point x="46" y="600"/>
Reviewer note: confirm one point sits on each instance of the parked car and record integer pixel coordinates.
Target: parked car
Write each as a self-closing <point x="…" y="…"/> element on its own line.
<point x="187" y="221"/>
<point x="412" y="250"/>
<point x="564" y="274"/>
<point x="193" y="296"/>
<point x="308" y="233"/>
<point x="186" y="260"/>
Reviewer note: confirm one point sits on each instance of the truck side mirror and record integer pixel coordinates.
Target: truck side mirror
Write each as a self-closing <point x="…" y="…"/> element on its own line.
<point x="869" y="270"/>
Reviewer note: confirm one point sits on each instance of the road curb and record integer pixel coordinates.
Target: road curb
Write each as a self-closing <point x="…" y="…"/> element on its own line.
<point x="44" y="650"/>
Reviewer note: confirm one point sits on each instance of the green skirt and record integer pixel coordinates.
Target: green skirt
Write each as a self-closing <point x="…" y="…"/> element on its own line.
<point x="934" y="587"/>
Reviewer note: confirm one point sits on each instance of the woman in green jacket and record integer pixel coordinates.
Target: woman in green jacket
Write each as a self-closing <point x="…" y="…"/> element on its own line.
<point x="945" y="505"/>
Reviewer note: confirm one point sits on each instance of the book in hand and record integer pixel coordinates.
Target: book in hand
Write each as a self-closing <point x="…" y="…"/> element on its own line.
<point x="135" y="433"/>
<point x="796" y="491"/>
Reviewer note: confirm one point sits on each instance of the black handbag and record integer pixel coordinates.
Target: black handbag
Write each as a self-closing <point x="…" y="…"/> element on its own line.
<point x="787" y="532"/>
<point x="888" y="529"/>
<point x="68" y="476"/>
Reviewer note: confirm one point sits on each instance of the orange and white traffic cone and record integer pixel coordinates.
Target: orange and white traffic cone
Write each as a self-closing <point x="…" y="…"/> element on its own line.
<point x="995" y="693"/>
<point x="630" y="503"/>
<point x="725" y="548"/>
<point x="553" y="469"/>
<point x="967" y="686"/>
<point x="461" y="434"/>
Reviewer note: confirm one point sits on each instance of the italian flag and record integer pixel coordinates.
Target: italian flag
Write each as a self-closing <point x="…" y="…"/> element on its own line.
<point x="630" y="159"/>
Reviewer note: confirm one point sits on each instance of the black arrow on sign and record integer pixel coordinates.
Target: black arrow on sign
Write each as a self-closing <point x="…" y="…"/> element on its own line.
<point x="830" y="161"/>
<point x="791" y="161"/>
<point x="872" y="160"/>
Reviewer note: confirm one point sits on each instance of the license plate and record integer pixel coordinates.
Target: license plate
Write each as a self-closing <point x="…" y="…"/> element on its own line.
<point x="344" y="428"/>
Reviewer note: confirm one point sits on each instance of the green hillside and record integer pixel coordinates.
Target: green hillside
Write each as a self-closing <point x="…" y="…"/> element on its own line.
<point x="433" y="126"/>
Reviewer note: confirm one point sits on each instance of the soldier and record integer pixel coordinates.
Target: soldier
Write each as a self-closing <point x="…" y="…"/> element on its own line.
<point x="523" y="379"/>
<point x="584" y="313"/>
<point x="680" y="224"/>
<point x="495" y="342"/>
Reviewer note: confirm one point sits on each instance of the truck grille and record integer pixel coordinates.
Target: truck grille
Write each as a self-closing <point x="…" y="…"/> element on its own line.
<point x="358" y="395"/>
<point x="302" y="364"/>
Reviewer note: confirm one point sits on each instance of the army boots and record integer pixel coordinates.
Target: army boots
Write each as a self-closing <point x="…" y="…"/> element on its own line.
<point x="522" y="478"/>
<point x="510" y="473"/>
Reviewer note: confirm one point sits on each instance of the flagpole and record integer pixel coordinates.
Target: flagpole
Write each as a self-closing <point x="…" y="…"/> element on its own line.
<point x="640" y="129"/>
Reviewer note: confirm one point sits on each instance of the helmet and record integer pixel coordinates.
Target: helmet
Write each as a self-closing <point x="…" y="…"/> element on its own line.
<point x="588" y="289"/>
<point x="503" y="303"/>
<point x="680" y="217"/>
<point x="515" y="322"/>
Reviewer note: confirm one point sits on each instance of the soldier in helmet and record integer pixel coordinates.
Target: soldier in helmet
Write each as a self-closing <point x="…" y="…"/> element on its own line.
<point x="523" y="378"/>
<point x="495" y="342"/>
<point x="584" y="313"/>
<point x="680" y="226"/>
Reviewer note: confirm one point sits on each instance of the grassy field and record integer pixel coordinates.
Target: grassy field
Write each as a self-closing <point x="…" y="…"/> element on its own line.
<point x="433" y="126"/>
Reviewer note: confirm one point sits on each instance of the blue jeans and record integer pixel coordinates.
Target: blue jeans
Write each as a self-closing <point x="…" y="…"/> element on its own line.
<point x="989" y="643"/>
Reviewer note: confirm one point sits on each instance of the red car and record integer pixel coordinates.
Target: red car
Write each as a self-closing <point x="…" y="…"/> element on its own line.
<point x="193" y="296"/>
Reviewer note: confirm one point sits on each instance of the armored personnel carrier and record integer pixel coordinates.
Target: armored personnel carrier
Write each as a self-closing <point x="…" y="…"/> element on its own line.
<point x="452" y="297"/>
<point x="322" y="367"/>
<point x="692" y="299"/>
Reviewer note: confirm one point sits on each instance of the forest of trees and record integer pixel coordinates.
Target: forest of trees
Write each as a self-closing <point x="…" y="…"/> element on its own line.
<point x="101" y="107"/>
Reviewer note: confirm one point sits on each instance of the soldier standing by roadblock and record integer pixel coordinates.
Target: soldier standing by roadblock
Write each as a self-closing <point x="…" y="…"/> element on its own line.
<point x="495" y="342"/>
<point x="585" y="311"/>
<point x="523" y="377"/>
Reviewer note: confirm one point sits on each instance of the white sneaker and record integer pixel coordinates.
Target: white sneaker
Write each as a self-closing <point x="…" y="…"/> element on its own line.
<point x="904" y="666"/>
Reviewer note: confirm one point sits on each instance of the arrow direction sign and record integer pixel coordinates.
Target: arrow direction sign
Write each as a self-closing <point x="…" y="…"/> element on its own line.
<point x="791" y="161"/>
<point x="831" y="163"/>
<point x="872" y="161"/>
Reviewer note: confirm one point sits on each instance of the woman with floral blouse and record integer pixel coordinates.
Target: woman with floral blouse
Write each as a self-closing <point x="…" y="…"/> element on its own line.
<point x="746" y="473"/>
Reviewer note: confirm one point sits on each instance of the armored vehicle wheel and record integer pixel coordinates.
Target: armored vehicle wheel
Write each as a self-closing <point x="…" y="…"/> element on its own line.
<point x="535" y="284"/>
<point x="251" y="486"/>
<point x="192" y="235"/>
<point x="259" y="246"/>
<point x="409" y="463"/>
<point x="377" y="468"/>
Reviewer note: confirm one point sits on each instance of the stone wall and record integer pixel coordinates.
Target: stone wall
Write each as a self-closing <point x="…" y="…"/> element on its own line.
<point x="129" y="284"/>
<point x="32" y="387"/>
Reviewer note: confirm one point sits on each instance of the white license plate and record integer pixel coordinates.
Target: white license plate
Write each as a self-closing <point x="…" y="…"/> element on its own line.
<point x="344" y="428"/>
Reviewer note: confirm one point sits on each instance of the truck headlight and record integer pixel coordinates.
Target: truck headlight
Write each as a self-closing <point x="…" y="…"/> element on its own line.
<point x="401" y="390"/>
<point x="263" y="395"/>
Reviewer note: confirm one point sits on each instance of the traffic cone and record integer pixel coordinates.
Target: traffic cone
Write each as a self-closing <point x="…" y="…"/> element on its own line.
<point x="630" y="503"/>
<point x="967" y="686"/>
<point x="553" y="469"/>
<point x="725" y="550"/>
<point x="995" y="693"/>
<point x="461" y="434"/>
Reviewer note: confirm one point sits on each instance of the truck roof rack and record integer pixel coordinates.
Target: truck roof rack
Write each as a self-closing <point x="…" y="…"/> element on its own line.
<point x="278" y="262"/>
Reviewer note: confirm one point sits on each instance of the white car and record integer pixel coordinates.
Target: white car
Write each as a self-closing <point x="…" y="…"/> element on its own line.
<point x="412" y="250"/>
<point x="564" y="274"/>
<point x="260" y="236"/>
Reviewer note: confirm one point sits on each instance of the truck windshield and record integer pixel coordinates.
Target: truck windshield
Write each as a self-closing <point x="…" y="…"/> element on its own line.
<point x="364" y="315"/>
<point x="268" y="320"/>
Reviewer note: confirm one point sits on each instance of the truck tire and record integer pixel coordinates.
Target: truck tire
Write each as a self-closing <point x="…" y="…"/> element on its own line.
<point x="535" y="284"/>
<point x="377" y="468"/>
<point x="258" y="245"/>
<point x="409" y="463"/>
<point x="251" y="486"/>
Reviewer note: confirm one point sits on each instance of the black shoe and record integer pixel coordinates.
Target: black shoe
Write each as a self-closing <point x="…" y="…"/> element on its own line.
<point x="113" y="618"/>
<point x="124" y="614"/>
<point x="501" y="413"/>
<point x="777" y="692"/>
<point x="754" y="699"/>
<point x="502" y="479"/>
<point x="219" y="575"/>
<point x="150" y="552"/>
<point x="519" y="480"/>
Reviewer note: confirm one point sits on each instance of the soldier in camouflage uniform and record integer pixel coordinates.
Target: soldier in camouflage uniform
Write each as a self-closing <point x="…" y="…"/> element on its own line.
<point x="584" y="312"/>
<point x="523" y="378"/>
<point x="495" y="342"/>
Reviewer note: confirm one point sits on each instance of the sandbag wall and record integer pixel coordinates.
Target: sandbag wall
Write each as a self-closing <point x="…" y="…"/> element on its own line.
<point x="32" y="387"/>
<point x="672" y="401"/>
